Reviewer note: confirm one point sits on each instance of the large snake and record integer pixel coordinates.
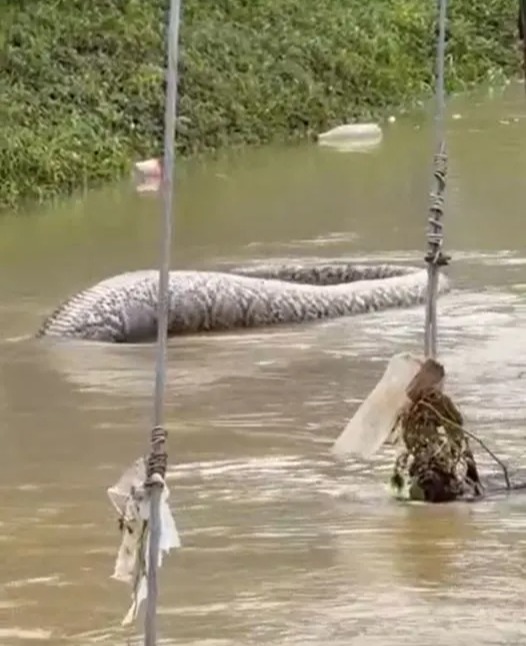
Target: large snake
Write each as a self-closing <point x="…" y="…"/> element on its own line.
<point x="123" y="309"/>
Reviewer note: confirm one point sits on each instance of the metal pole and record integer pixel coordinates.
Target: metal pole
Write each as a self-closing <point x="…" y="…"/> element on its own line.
<point x="434" y="257"/>
<point x="157" y="463"/>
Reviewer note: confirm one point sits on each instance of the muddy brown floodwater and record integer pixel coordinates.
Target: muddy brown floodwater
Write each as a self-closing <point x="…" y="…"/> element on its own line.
<point x="281" y="545"/>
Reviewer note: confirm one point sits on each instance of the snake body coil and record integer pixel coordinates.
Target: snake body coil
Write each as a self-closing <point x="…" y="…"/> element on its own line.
<point x="123" y="309"/>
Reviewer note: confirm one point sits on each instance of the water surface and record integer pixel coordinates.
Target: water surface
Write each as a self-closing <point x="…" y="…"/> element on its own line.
<point x="281" y="545"/>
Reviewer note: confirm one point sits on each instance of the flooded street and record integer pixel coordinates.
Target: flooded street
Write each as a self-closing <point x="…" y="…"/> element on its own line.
<point x="281" y="545"/>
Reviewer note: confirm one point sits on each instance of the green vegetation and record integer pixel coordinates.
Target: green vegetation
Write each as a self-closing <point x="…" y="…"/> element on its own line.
<point x="82" y="80"/>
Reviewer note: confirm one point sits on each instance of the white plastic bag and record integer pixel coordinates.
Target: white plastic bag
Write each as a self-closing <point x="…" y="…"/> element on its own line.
<point x="129" y="498"/>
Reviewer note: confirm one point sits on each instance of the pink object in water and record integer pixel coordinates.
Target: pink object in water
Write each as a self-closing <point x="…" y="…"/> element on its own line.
<point x="148" y="175"/>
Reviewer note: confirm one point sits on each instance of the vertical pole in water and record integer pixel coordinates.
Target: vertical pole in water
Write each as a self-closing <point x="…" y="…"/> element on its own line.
<point x="158" y="457"/>
<point x="434" y="257"/>
<point x="522" y="35"/>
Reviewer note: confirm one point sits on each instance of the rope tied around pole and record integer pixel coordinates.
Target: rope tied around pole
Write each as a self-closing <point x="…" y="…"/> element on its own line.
<point x="158" y="458"/>
<point x="435" y="233"/>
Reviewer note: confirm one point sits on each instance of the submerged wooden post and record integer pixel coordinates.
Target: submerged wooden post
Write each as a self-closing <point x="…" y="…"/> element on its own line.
<point x="430" y="375"/>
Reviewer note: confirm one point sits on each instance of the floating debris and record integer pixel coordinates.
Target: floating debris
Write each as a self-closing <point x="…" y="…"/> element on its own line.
<point x="352" y="137"/>
<point x="374" y="421"/>
<point x="148" y="175"/>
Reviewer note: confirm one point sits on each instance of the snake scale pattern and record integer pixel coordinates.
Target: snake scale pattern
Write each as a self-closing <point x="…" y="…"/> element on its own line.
<point x="123" y="308"/>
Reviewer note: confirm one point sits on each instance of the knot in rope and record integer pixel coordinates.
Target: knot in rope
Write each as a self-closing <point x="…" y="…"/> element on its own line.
<point x="158" y="458"/>
<point x="435" y="232"/>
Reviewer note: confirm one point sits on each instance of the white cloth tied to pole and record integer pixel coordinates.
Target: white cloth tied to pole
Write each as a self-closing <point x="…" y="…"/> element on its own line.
<point x="130" y="498"/>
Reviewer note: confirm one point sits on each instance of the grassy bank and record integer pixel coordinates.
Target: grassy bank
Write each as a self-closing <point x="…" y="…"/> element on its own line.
<point x="84" y="78"/>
